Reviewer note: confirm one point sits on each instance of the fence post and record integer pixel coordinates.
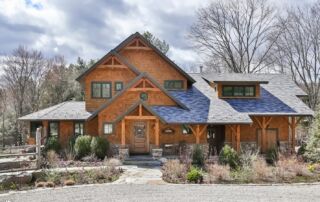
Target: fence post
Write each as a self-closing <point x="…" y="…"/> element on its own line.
<point x="38" y="146"/>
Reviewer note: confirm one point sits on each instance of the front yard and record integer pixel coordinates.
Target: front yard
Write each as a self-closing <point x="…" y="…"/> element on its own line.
<point x="248" y="167"/>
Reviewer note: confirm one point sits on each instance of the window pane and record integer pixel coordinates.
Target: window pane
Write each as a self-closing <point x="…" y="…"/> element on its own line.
<point x="173" y="84"/>
<point x="238" y="91"/>
<point x="106" y="90"/>
<point x="227" y="91"/>
<point x="249" y="91"/>
<point x="96" y="90"/>
<point x="53" y="129"/>
<point x="78" y="129"/>
<point x="108" y="128"/>
<point x="118" y="86"/>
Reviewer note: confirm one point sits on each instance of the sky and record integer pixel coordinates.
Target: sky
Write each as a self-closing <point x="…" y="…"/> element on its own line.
<point x="91" y="28"/>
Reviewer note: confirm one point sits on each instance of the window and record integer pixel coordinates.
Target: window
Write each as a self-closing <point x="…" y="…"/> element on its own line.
<point x="33" y="128"/>
<point x="108" y="128"/>
<point x="186" y="130"/>
<point x="54" y="129"/>
<point x="78" y="128"/>
<point x="118" y="86"/>
<point x="101" y="90"/>
<point x="173" y="84"/>
<point x="238" y="91"/>
<point x="144" y="96"/>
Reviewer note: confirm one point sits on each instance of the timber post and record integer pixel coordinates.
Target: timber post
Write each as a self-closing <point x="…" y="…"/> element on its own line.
<point x="38" y="146"/>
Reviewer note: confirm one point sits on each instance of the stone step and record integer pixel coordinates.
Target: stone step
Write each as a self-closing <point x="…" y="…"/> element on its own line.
<point x="142" y="161"/>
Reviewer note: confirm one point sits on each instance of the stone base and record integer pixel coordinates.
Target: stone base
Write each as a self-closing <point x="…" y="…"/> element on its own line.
<point x="249" y="146"/>
<point x="123" y="153"/>
<point x="156" y="153"/>
<point x="284" y="147"/>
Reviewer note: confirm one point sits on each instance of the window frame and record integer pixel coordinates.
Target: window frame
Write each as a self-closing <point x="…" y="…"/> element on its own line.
<point x="237" y="86"/>
<point x="115" y="85"/>
<point x="58" y="128"/>
<point x="74" y="127"/>
<point x="165" y="84"/>
<point x="101" y="83"/>
<point x="112" y="128"/>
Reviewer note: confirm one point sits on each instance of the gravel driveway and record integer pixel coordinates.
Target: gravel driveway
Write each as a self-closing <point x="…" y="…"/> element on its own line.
<point x="169" y="192"/>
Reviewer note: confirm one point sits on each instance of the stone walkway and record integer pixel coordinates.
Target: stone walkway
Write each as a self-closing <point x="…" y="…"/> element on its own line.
<point x="140" y="175"/>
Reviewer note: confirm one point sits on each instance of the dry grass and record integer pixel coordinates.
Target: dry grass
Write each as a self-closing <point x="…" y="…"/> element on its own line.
<point x="217" y="173"/>
<point x="261" y="171"/>
<point x="290" y="167"/>
<point x="53" y="159"/>
<point x="174" y="171"/>
<point x="112" y="162"/>
<point x="40" y="184"/>
<point x="50" y="184"/>
<point x="69" y="182"/>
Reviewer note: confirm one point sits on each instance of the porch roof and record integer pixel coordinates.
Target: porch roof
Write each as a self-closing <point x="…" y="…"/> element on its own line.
<point x="71" y="110"/>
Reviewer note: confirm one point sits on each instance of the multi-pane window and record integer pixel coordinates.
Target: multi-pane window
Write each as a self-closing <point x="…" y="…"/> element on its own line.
<point x="108" y="128"/>
<point x="118" y="86"/>
<point x="78" y="128"/>
<point x="238" y="91"/>
<point x="173" y="84"/>
<point x="101" y="90"/>
<point x="53" y="129"/>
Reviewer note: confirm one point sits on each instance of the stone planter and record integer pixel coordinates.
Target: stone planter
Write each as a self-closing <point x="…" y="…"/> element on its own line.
<point x="157" y="153"/>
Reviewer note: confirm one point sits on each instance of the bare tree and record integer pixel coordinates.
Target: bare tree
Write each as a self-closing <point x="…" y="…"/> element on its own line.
<point x="236" y="33"/>
<point x="297" y="49"/>
<point x="23" y="71"/>
<point x="3" y="106"/>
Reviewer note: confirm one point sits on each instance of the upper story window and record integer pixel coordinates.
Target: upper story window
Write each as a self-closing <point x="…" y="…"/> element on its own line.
<point x="173" y="84"/>
<point x="101" y="89"/>
<point x="238" y="91"/>
<point x="118" y="85"/>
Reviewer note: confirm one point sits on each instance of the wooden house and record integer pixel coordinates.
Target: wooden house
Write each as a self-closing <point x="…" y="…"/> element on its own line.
<point x="141" y="101"/>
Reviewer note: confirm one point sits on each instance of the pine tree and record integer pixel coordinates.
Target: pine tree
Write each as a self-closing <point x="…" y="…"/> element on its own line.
<point x="313" y="145"/>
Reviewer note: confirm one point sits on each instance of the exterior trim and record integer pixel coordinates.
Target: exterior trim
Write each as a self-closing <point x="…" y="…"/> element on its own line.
<point x="133" y="107"/>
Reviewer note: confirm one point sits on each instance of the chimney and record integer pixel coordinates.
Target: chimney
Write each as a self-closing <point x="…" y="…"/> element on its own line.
<point x="201" y="68"/>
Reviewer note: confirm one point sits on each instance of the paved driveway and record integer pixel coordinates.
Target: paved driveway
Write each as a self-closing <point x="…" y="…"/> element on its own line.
<point x="168" y="192"/>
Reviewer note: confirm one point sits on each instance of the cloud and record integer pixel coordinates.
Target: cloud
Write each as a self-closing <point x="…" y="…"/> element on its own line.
<point x="90" y="28"/>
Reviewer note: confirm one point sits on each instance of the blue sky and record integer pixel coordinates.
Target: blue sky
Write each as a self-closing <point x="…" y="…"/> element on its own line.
<point x="89" y="29"/>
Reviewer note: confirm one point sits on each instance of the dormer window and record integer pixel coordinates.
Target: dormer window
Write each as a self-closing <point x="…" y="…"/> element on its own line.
<point x="173" y="84"/>
<point x="238" y="91"/>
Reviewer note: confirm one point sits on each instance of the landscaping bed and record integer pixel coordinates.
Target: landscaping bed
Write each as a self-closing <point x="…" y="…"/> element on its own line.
<point x="59" y="177"/>
<point x="249" y="167"/>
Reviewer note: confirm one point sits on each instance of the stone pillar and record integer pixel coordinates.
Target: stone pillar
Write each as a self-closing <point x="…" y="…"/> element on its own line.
<point x="156" y="153"/>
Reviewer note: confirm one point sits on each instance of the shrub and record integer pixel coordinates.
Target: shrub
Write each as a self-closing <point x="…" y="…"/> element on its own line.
<point x="217" y="173"/>
<point x="195" y="175"/>
<point x="261" y="171"/>
<point x="52" y="144"/>
<point x="312" y="152"/>
<point x="174" y="171"/>
<point x="113" y="162"/>
<point x="99" y="147"/>
<point x="229" y="156"/>
<point x="69" y="182"/>
<point x="82" y="146"/>
<point x="272" y="156"/>
<point x="302" y="149"/>
<point x="288" y="168"/>
<point x="198" y="156"/>
<point x="52" y="158"/>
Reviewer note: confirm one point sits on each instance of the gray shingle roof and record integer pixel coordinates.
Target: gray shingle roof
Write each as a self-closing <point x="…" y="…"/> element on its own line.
<point x="233" y="77"/>
<point x="71" y="110"/>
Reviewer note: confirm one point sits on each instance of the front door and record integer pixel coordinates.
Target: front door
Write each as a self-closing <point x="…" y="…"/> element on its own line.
<point x="139" y="137"/>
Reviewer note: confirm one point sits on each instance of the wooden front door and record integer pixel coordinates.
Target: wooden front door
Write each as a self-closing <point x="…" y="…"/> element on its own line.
<point x="271" y="139"/>
<point x="139" y="137"/>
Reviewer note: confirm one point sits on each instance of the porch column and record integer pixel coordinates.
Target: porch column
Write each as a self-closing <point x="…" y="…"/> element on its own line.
<point x="198" y="134"/>
<point x="293" y="126"/>
<point x="238" y="138"/>
<point x="156" y="132"/>
<point x="123" y="133"/>
<point x="263" y="132"/>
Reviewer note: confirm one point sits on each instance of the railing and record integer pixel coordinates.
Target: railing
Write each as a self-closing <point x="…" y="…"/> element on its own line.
<point x="20" y="151"/>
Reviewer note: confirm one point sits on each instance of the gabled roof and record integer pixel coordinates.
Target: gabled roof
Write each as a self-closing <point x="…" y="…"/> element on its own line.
<point x="133" y="107"/>
<point x="111" y="53"/>
<point x="163" y="56"/>
<point x="71" y="110"/>
<point x="131" y="84"/>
